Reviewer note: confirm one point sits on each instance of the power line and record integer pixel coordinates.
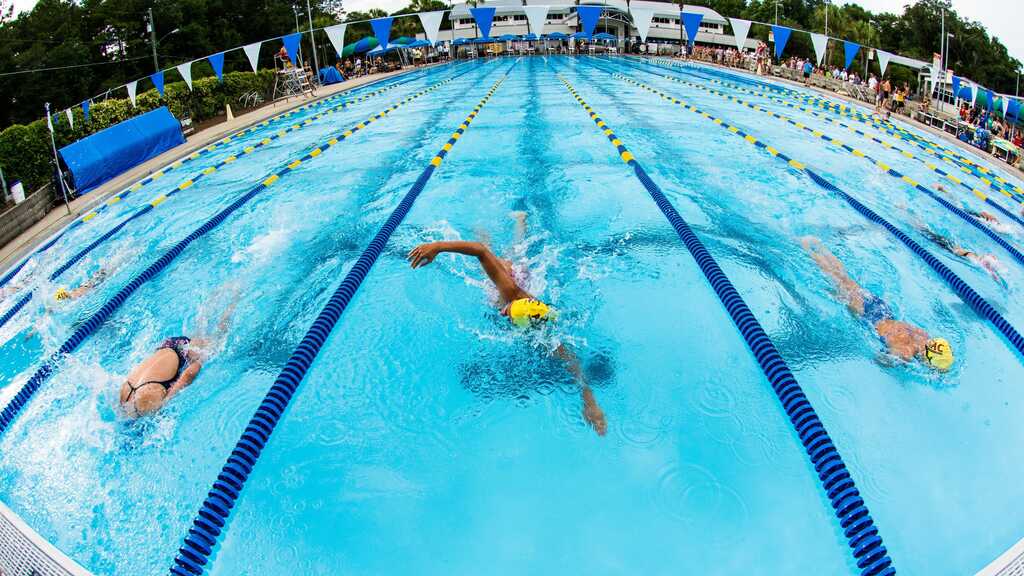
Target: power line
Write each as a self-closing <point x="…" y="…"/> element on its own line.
<point x="17" y="72"/>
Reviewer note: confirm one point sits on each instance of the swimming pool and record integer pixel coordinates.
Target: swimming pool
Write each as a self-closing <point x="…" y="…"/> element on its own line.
<point x="427" y="437"/>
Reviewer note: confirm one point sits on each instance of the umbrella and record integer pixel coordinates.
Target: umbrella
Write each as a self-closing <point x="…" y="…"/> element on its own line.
<point x="507" y="37"/>
<point x="483" y="40"/>
<point x="418" y="44"/>
<point x="580" y="36"/>
<point x="558" y="36"/>
<point x="401" y="41"/>
<point x="360" y="46"/>
<point x="605" y="36"/>
<point x="530" y="36"/>
<point x="461" y="41"/>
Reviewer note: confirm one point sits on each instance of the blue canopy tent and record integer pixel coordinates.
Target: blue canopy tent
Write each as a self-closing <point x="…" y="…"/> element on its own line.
<point x="101" y="156"/>
<point x="558" y="36"/>
<point x="419" y="44"/>
<point x="580" y="36"/>
<point x="605" y="36"/>
<point x="360" y="46"/>
<point x="461" y="41"/>
<point x="530" y="37"/>
<point x="508" y="37"/>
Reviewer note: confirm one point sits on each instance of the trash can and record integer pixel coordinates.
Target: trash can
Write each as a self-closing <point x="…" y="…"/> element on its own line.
<point x="17" y="192"/>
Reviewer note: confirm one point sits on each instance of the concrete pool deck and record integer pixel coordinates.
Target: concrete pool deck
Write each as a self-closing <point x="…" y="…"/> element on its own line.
<point x="62" y="215"/>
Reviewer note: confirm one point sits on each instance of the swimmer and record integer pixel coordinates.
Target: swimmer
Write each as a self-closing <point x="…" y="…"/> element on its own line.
<point x="63" y="294"/>
<point x="988" y="262"/>
<point x="519" y="306"/>
<point x="987" y="218"/>
<point x="901" y="339"/>
<point x="168" y="370"/>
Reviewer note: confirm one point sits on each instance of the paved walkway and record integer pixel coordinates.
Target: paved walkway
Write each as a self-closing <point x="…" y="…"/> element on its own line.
<point x="62" y="215"/>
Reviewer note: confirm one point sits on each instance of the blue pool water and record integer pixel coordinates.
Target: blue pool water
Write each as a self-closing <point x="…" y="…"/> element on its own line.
<point x="427" y="437"/>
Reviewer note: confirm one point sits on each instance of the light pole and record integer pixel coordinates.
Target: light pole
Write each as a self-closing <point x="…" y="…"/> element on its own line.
<point x="776" y="12"/>
<point x="312" y="40"/>
<point x="153" y="41"/>
<point x="826" y="33"/>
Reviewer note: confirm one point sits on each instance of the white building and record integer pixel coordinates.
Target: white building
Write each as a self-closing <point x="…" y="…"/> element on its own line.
<point x="509" y="18"/>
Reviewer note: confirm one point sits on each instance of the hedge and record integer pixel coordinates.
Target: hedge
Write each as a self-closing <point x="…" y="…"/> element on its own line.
<point x="25" y="152"/>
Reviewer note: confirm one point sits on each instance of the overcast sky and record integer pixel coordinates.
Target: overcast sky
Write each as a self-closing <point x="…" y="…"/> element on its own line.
<point x="1003" y="18"/>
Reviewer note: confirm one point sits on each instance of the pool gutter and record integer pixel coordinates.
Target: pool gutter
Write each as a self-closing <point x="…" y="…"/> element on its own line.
<point x="24" y="551"/>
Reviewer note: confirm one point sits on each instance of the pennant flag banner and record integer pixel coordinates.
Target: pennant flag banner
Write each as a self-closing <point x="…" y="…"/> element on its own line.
<point x="956" y="87"/>
<point x="431" y="22"/>
<point x="382" y="30"/>
<point x="740" y="29"/>
<point x="535" y="17"/>
<point x="851" y="49"/>
<point x="252" y="52"/>
<point x="691" y="22"/>
<point x="781" y="37"/>
<point x="883" y="61"/>
<point x="977" y="92"/>
<point x="217" y="61"/>
<point x="336" y="34"/>
<point x="186" y="73"/>
<point x="71" y="118"/>
<point x="1013" y="109"/>
<point x="291" y="45"/>
<point x="1006" y="104"/>
<point x="589" y="15"/>
<point x="819" y="41"/>
<point x="966" y="94"/>
<point x="131" y="91"/>
<point x="484" y="17"/>
<point x="158" y="81"/>
<point x="49" y="122"/>
<point x="85" y="110"/>
<point x="988" y="99"/>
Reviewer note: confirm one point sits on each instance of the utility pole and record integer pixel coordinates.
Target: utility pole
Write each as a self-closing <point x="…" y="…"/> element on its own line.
<point x="825" y="60"/>
<point x="776" y="12"/>
<point x="152" y="39"/>
<point x="312" y="40"/>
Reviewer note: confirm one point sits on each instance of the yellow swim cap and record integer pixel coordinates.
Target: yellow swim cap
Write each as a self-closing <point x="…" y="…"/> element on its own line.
<point x="939" y="354"/>
<point x="61" y="294"/>
<point x="525" y="311"/>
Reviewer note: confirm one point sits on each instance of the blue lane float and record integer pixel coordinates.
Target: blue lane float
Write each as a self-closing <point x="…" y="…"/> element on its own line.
<point x="211" y="520"/>
<point x="850" y="510"/>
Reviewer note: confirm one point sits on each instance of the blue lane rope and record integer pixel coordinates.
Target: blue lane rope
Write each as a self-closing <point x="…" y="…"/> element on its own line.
<point x="7" y="316"/>
<point x="87" y="328"/>
<point x="962" y="289"/>
<point x="849" y="507"/>
<point x="193" y="156"/>
<point x="998" y="239"/>
<point x="210" y="522"/>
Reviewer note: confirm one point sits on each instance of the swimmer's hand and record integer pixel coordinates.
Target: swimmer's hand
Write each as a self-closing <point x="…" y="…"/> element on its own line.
<point x="593" y="414"/>
<point x="424" y="254"/>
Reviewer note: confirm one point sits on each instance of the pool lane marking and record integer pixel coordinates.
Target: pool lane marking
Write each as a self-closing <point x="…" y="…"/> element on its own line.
<point x="885" y="168"/>
<point x="87" y="328"/>
<point x="961" y="162"/>
<point x="10" y="313"/>
<point x="210" y="522"/>
<point x="847" y="504"/>
<point x="957" y="162"/>
<point x="959" y="286"/>
<point x="12" y="272"/>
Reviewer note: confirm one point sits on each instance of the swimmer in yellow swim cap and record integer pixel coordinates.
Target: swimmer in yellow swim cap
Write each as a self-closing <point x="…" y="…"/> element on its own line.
<point x="95" y="280"/>
<point x="519" y="306"/>
<point x="903" y="340"/>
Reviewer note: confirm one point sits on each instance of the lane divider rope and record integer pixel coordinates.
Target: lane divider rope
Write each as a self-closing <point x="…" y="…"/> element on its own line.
<point x="189" y="182"/>
<point x="87" y="328"/>
<point x="962" y="289"/>
<point x="211" y="520"/>
<point x="885" y="168"/>
<point x="847" y="504"/>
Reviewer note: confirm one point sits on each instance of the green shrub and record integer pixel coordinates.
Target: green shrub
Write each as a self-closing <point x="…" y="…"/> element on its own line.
<point x="25" y="152"/>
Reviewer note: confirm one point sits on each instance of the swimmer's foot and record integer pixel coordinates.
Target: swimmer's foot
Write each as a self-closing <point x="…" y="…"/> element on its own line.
<point x="517" y="215"/>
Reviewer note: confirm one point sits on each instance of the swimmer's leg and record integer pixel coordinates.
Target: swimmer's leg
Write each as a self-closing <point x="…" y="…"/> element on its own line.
<point x="520" y="231"/>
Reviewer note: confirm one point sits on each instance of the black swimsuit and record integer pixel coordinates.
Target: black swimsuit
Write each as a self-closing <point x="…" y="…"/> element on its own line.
<point x="179" y="344"/>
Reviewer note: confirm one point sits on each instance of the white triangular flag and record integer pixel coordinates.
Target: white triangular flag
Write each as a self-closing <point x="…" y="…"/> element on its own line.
<point x="536" y="16"/>
<point x="252" y="52"/>
<point x="131" y="91"/>
<point x="49" y="121"/>
<point x="336" y="34"/>
<point x="642" y="21"/>
<point x="71" y="118"/>
<point x="820" y="41"/>
<point x="431" y="22"/>
<point x="740" y="29"/>
<point x="883" y="59"/>
<point x="186" y="73"/>
<point x="977" y="91"/>
<point x="1006" y="105"/>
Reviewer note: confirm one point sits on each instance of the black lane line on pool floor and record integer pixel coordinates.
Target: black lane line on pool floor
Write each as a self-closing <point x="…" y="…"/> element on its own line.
<point x="850" y="510"/>
<point x="961" y="288"/>
<point x="203" y="536"/>
<point x="86" y="329"/>
<point x="184" y="185"/>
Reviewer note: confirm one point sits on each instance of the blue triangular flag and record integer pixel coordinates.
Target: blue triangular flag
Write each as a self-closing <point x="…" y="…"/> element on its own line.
<point x="85" y="110"/>
<point x="217" y="61"/>
<point x="691" y="22"/>
<point x="589" y="15"/>
<point x="956" y="87"/>
<point x="291" y="44"/>
<point x="158" y="81"/>
<point x="382" y="30"/>
<point x="851" y="49"/>
<point x="988" y="99"/>
<point x="967" y="94"/>
<point x="484" y="17"/>
<point x="781" y="34"/>
<point x="1013" y="109"/>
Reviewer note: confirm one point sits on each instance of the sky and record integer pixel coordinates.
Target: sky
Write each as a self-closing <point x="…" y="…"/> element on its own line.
<point x="1004" y="19"/>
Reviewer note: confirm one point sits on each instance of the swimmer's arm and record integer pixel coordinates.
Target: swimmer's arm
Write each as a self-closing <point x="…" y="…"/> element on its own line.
<point x="592" y="413"/>
<point x="425" y="253"/>
<point x="187" y="376"/>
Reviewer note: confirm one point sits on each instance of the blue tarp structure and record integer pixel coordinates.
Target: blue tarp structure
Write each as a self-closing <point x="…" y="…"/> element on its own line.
<point x="330" y="75"/>
<point x="101" y="156"/>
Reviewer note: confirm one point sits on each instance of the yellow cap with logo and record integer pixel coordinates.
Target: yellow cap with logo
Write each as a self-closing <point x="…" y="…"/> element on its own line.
<point x="61" y="294"/>
<point x="939" y="354"/>
<point x="526" y="311"/>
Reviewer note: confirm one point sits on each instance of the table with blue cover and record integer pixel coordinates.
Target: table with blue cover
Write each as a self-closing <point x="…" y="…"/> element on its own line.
<point x="330" y="75"/>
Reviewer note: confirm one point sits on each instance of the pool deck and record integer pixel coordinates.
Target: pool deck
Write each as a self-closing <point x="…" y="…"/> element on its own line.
<point x="62" y="215"/>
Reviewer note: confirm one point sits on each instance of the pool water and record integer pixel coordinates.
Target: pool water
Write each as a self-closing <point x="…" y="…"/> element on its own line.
<point x="430" y="438"/>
